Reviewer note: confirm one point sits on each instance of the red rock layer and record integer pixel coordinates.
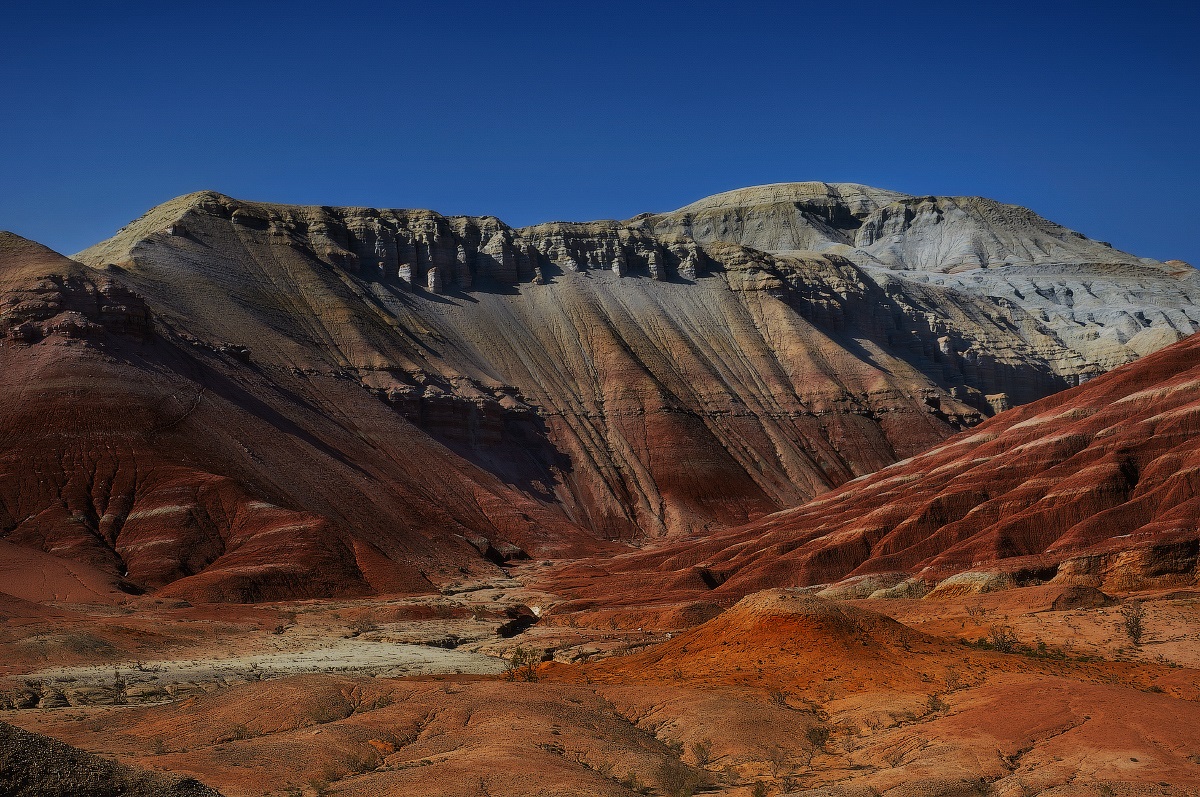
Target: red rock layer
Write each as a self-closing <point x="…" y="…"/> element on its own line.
<point x="1098" y="485"/>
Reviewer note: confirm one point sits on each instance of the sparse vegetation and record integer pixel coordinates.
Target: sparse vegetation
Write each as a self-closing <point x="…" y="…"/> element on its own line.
<point x="677" y="779"/>
<point x="817" y="735"/>
<point x="778" y="761"/>
<point x="329" y="709"/>
<point x="522" y="663"/>
<point x="1002" y="639"/>
<point x="119" y="687"/>
<point x="238" y="733"/>
<point x="702" y="752"/>
<point x="363" y="625"/>
<point x="632" y="783"/>
<point x="363" y="761"/>
<point x="1133" y="615"/>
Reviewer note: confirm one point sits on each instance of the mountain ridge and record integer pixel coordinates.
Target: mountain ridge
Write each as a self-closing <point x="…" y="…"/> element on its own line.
<point x="519" y="392"/>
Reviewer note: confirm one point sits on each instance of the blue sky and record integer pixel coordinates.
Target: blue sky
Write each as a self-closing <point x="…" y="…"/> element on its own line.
<point x="1085" y="112"/>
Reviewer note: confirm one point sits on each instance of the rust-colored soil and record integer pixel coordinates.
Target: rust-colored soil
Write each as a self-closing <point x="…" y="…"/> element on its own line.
<point x="786" y="689"/>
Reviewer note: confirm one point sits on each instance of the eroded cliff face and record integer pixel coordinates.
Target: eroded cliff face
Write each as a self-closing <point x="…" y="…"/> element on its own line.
<point x="568" y="358"/>
<point x="643" y="385"/>
<point x="1072" y="307"/>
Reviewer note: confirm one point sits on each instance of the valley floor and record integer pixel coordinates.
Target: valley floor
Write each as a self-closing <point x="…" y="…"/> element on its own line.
<point x="486" y="689"/>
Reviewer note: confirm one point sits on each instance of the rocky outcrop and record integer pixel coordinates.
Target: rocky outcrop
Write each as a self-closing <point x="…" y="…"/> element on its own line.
<point x="616" y="247"/>
<point x="459" y="409"/>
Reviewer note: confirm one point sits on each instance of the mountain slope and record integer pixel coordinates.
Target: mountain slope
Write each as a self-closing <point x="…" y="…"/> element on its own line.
<point x="175" y="465"/>
<point x="1081" y="305"/>
<point x="293" y="401"/>
<point x="574" y="383"/>
<point x="1096" y="485"/>
<point x="562" y="356"/>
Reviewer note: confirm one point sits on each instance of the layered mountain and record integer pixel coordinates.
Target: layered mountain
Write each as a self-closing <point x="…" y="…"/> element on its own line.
<point x="1096" y="486"/>
<point x="1080" y="306"/>
<point x="233" y="400"/>
<point x="153" y="460"/>
<point x="643" y="386"/>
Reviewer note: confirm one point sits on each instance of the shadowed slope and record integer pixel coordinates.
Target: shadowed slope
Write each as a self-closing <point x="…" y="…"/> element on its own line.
<point x="32" y="765"/>
<point x="173" y="464"/>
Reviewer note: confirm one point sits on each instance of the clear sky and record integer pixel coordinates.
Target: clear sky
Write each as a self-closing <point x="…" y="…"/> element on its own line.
<point x="1086" y="112"/>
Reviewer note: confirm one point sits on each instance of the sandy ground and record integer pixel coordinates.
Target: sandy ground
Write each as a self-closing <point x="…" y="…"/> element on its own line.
<point x="411" y="695"/>
<point x="351" y="656"/>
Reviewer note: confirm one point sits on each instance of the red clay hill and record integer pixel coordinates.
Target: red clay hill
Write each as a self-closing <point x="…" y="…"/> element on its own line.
<point x="1097" y="486"/>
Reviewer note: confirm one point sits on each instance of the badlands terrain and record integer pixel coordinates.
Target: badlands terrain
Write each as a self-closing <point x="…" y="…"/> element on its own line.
<point x="800" y="489"/>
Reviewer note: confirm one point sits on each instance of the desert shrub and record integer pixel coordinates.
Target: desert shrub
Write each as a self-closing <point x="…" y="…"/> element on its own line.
<point x="239" y="733"/>
<point x="632" y="783"/>
<point x="363" y="761"/>
<point x="329" y="708"/>
<point x="760" y="789"/>
<point x="363" y="625"/>
<point x="779" y="697"/>
<point x="522" y="663"/>
<point x="778" y="759"/>
<point x="1133" y="613"/>
<point x="1002" y="640"/>
<point x="702" y="751"/>
<point x="677" y="779"/>
<point x="817" y="736"/>
<point x="118" y="687"/>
